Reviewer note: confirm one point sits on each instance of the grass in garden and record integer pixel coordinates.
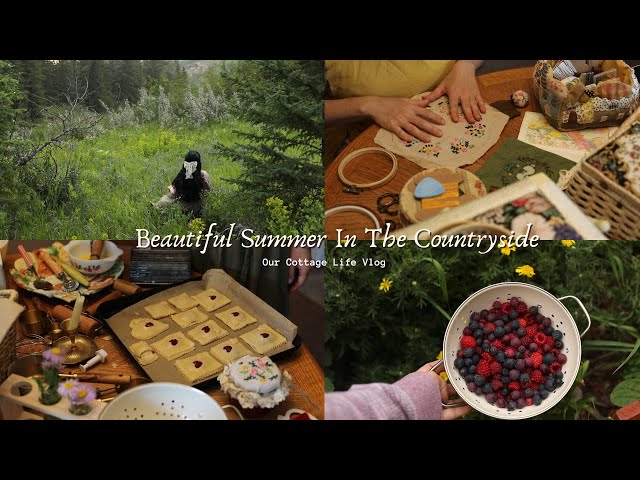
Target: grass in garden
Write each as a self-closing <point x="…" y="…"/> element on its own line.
<point x="120" y="173"/>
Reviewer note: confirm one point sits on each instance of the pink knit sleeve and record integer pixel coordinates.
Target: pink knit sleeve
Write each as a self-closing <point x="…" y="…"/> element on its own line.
<point x="414" y="397"/>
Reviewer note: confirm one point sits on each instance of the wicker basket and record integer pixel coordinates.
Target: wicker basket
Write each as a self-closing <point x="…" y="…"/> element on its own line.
<point x="566" y="113"/>
<point x="600" y="197"/>
<point x="7" y="351"/>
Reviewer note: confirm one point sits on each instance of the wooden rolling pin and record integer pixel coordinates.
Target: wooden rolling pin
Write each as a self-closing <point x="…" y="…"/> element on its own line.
<point x="87" y="326"/>
<point x="125" y="287"/>
<point x="96" y="249"/>
<point x="94" y="306"/>
<point x="112" y="378"/>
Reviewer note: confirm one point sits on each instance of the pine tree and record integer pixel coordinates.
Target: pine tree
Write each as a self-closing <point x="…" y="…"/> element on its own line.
<point x="98" y="86"/>
<point x="32" y="82"/>
<point x="130" y="80"/>
<point x="282" y="99"/>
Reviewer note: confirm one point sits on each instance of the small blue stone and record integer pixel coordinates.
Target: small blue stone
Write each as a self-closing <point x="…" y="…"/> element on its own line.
<point x="428" y="187"/>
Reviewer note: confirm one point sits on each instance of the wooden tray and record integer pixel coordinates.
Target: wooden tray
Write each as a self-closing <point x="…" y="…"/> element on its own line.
<point x="165" y="371"/>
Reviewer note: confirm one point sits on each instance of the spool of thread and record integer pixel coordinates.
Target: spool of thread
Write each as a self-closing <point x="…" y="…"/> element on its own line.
<point x="127" y="288"/>
<point x="94" y="307"/>
<point x="87" y="326"/>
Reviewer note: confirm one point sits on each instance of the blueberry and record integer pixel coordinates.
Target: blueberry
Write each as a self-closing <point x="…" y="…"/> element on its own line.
<point x="473" y="325"/>
<point x="493" y="350"/>
<point x="487" y="388"/>
<point x="522" y="349"/>
<point x="524" y="378"/>
<point x="528" y="362"/>
<point x="478" y="334"/>
<point x="513" y="314"/>
<point x="511" y="405"/>
<point x="458" y="363"/>
<point x="475" y="316"/>
<point x="500" y="356"/>
<point x="539" y="318"/>
<point x="546" y="348"/>
<point x="491" y="398"/>
<point x="468" y="362"/>
<point x="548" y="330"/>
<point x="484" y="313"/>
<point x="499" y="323"/>
<point x="467" y="331"/>
<point x="533" y="310"/>
<point x="537" y="399"/>
<point x="559" y="383"/>
<point x="514" y="374"/>
<point x="520" y="364"/>
<point x="533" y="346"/>
<point x="518" y="356"/>
<point x="492" y="317"/>
<point x="499" y="332"/>
<point x="544" y="368"/>
<point x="514" y="301"/>
<point x="479" y="380"/>
<point x="472" y="369"/>
<point x="505" y="391"/>
<point x="504" y="318"/>
<point x="559" y="345"/>
<point x="515" y="325"/>
<point x="521" y="403"/>
<point x="486" y="346"/>
<point x="472" y="386"/>
<point x="507" y="329"/>
<point x="548" y="358"/>
<point x="475" y="358"/>
<point x="515" y="342"/>
<point x="505" y="379"/>
<point x="557" y="335"/>
<point x="509" y="363"/>
<point x="464" y="371"/>
<point x="515" y="395"/>
<point x="491" y="337"/>
<point x="487" y="330"/>
<point x="559" y="374"/>
<point x="469" y="378"/>
<point x="501" y="403"/>
<point x="544" y="394"/>
<point x="541" y="388"/>
<point x="546" y="322"/>
<point x="549" y="385"/>
<point x="528" y="392"/>
<point x="468" y="352"/>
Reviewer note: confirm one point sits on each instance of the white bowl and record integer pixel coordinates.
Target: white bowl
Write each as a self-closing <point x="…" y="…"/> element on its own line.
<point x="551" y="307"/>
<point x="79" y="251"/>
<point x="163" y="401"/>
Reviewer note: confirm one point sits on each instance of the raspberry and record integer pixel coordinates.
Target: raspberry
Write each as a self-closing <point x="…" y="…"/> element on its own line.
<point x="555" y="351"/>
<point x="536" y="359"/>
<point x="536" y="376"/>
<point x="522" y="308"/>
<point x="490" y="326"/>
<point x="522" y="322"/>
<point x="531" y="330"/>
<point x="497" y="305"/>
<point x="515" y="385"/>
<point x="497" y="344"/>
<point x="483" y="368"/>
<point x="467" y="342"/>
<point x="460" y="353"/>
<point x="540" y="338"/>
<point x="526" y="340"/>
<point x="495" y="367"/>
<point x="486" y="356"/>
<point x="555" y="366"/>
<point x="562" y="359"/>
<point x="497" y="385"/>
<point x="529" y="401"/>
<point x="550" y="341"/>
<point x="510" y="352"/>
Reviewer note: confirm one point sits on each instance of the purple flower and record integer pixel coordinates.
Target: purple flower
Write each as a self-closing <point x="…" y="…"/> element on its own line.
<point x="53" y="356"/>
<point x="68" y="388"/>
<point x="83" y="394"/>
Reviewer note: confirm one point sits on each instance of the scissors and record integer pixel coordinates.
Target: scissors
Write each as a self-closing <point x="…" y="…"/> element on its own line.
<point x="391" y="199"/>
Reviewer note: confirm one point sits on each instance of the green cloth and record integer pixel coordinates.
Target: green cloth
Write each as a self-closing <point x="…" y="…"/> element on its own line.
<point x="245" y="265"/>
<point x="515" y="158"/>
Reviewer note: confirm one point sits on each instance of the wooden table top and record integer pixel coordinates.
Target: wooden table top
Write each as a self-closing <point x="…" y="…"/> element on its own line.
<point x="493" y="86"/>
<point x="307" y="374"/>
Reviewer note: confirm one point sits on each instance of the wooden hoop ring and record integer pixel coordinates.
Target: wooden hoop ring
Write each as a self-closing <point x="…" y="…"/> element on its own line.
<point x="378" y="183"/>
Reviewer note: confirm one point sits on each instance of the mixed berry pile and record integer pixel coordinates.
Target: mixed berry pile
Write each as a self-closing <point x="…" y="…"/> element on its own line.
<point x="511" y="355"/>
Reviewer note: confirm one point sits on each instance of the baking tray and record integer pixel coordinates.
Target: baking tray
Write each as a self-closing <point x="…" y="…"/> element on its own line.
<point x="118" y="313"/>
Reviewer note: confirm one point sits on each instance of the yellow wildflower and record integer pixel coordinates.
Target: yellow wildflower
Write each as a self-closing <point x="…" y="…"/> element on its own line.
<point x="385" y="285"/>
<point x="506" y="248"/>
<point x="526" y="271"/>
<point x="568" y="243"/>
<point x="439" y="357"/>
<point x="444" y="376"/>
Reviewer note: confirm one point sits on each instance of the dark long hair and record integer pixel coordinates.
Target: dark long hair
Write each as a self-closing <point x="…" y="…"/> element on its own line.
<point x="190" y="189"/>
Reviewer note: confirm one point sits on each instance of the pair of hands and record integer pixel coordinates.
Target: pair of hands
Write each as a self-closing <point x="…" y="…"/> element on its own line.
<point x="446" y="391"/>
<point x="410" y="119"/>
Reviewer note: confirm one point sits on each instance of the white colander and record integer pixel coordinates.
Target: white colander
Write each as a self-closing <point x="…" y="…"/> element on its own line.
<point x="163" y="401"/>
<point x="549" y="306"/>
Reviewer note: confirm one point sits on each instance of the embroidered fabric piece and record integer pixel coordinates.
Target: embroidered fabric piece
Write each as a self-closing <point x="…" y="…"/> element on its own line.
<point x="461" y="144"/>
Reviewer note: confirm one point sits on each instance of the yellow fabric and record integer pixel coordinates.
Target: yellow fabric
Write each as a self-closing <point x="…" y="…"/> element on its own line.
<point x="384" y="78"/>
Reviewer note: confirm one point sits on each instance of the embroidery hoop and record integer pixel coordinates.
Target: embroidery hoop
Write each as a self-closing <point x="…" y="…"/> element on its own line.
<point x="352" y="208"/>
<point x="358" y="187"/>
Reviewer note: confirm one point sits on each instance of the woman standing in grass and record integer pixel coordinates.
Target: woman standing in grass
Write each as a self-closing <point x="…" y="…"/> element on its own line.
<point x="188" y="186"/>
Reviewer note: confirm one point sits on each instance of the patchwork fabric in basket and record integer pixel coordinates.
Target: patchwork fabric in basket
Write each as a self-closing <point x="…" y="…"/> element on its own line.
<point x="607" y="184"/>
<point x="569" y="104"/>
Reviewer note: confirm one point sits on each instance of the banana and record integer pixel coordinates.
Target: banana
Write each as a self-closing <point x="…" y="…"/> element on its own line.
<point x="72" y="272"/>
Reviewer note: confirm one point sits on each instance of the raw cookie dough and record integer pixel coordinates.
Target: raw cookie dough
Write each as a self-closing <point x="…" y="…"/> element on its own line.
<point x="211" y="299"/>
<point x="263" y="339"/>
<point x="144" y="353"/>
<point x="236" y="318"/>
<point x="189" y="318"/>
<point x="198" y="366"/>
<point x="159" y="310"/>
<point x="207" y="332"/>
<point x="228" y="350"/>
<point x="183" y="301"/>
<point x="146" y="328"/>
<point x="173" y="346"/>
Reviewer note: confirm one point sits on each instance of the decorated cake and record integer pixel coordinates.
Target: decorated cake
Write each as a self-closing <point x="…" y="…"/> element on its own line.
<point x="255" y="382"/>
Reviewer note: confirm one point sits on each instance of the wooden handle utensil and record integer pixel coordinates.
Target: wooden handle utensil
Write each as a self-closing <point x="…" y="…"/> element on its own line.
<point x="96" y="249"/>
